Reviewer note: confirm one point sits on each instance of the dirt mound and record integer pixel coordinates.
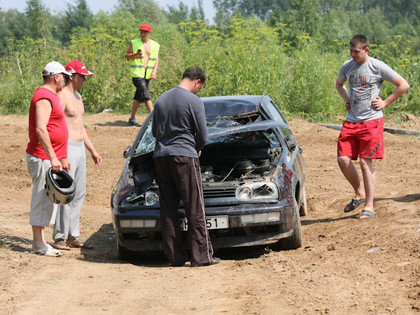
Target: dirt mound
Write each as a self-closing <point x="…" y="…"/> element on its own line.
<point x="346" y="266"/>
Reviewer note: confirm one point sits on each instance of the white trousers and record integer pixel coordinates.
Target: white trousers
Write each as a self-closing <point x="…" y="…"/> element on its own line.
<point x="41" y="207"/>
<point x="67" y="219"/>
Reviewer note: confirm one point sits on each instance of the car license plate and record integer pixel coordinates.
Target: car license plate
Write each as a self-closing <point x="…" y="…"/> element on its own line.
<point x="213" y="223"/>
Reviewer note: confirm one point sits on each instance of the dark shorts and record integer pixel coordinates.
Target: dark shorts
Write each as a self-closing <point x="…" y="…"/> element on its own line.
<point x="365" y="139"/>
<point x="142" y="89"/>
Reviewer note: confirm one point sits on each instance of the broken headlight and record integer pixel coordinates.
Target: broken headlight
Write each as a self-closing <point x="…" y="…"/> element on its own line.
<point x="149" y="198"/>
<point x="257" y="191"/>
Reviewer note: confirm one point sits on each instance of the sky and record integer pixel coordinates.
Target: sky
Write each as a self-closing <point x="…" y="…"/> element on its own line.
<point x="56" y="6"/>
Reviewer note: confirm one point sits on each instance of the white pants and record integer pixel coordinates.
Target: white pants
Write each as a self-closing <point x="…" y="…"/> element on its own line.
<point x="67" y="219"/>
<point x="41" y="207"/>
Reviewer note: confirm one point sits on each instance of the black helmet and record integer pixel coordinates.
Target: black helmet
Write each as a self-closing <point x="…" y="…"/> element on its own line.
<point x="59" y="187"/>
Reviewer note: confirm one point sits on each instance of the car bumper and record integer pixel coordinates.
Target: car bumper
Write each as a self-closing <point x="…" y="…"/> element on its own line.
<point x="240" y="233"/>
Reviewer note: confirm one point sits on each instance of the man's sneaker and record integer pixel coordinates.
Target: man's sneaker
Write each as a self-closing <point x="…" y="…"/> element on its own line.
<point x="214" y="261"/>
<point x="133" y="122"/>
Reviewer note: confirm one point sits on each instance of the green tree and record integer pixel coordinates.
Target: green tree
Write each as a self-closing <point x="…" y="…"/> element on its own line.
<point x="14" y="24"/>
<point x="78" y="15"/>
<point x="182" y="13"/>
<point x="333" y="28"/>
<point x="303" y="17"/>
<point x="37" y="16"/>
<point x="197" y="12"/>
<point x="177" y="15"/>
<point x="372" y="23"/>
<point x="146" y="11"/>
<point x="259" y="8"/>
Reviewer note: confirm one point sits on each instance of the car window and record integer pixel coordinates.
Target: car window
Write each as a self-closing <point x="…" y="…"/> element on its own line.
<point x="147" y="142"/>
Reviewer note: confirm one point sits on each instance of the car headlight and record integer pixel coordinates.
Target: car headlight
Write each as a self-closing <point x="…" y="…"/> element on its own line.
<point x="257" y="191"/>
<point x="149" y="198"/>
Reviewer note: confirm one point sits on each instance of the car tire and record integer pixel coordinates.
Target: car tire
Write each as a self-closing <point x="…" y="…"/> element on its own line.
<point x="303" y="210"/>
<point x="294" y="241"/>
<point x="124" y="253"/>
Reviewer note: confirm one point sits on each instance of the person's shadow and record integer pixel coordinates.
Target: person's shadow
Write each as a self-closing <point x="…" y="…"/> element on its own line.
<point x="406" y="198"/>
<point x="15" y="243"/>
<point x="104" y="251"/>
<point x="117" y="123"/>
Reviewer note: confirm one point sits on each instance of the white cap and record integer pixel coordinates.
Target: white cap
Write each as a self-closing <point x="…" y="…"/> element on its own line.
<point x="54" y="67"/>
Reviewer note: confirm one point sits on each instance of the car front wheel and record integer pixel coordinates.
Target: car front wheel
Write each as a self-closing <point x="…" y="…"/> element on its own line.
<point x="294" y="241"/>
<point x="303" y="211"/>
<point x="124" y="253"/>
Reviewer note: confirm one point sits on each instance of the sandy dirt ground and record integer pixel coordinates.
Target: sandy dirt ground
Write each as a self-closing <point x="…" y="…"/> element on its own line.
<point x="346" y="266"/>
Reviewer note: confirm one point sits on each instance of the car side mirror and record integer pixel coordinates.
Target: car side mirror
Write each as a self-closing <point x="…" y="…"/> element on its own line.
<point x="126" y="151"/>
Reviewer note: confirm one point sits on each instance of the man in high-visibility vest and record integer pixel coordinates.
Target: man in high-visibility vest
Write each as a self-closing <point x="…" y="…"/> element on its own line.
<point x="144" y="62"/>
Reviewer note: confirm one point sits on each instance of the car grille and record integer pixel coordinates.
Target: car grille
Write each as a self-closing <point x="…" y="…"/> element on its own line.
<point x="218" y="192"/>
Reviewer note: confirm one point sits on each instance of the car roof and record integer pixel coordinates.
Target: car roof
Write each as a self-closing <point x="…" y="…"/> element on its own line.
<point x="231" y="105"/>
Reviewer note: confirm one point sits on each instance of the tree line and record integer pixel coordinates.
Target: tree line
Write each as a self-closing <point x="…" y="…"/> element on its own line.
<point x="331" y="19"/>
<point x="327" y="19"/>
<point x="277" y="48"/>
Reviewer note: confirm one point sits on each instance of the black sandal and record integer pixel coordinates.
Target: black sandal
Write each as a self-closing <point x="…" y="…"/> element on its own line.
<point x="353" y="204"/>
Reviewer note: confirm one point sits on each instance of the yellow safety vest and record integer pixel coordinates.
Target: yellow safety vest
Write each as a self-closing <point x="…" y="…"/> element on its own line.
<point x="137" y="65"/>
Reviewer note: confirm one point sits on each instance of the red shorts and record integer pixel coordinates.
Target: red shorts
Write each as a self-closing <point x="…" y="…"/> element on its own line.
<point x="365" y="139"/>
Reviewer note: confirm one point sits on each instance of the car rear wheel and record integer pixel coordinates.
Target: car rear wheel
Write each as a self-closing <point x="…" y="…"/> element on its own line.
<point x="303" y="211"/>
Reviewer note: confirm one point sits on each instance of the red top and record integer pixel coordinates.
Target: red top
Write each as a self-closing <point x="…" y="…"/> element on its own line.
<point x="57" y="127"/>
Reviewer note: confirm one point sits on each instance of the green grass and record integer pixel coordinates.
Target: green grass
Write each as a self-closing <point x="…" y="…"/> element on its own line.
<point x="300" y="79"/>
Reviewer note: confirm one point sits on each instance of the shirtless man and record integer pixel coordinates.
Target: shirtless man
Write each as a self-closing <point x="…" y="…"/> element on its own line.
<point x="66" y="229"/>
<point x="144" y="62"/>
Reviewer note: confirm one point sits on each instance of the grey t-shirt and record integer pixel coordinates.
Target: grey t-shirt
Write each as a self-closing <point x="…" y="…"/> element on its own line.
<point x="365" y="83"/>
<point x="179" y="124"/>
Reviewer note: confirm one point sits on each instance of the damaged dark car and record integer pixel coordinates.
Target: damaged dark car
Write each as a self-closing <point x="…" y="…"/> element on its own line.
<point x="253" y="177"/>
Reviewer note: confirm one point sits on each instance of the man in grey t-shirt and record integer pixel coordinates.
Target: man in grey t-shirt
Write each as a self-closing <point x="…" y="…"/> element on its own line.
<point x="362" y="132"/>
<point x="179" y="126"/>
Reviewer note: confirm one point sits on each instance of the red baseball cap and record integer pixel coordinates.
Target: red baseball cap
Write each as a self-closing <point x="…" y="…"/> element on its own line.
<point x="145" y="27"/>
<point x="77" y="66"/>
